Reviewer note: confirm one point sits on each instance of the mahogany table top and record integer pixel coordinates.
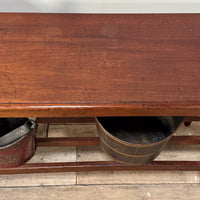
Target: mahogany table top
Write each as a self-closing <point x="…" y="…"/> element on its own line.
<point x="99" y="64"/>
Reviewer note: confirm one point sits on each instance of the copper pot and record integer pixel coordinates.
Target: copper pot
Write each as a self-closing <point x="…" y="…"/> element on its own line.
<point x="135" y="140"/>
<point x="17" y="141"/>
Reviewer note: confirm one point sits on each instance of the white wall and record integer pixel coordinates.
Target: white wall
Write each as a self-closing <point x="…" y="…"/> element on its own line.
<point x="101" y="6"/>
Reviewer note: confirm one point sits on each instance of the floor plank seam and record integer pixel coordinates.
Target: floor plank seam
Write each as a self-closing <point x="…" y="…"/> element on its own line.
<point x="47" y="130"/>
<point x="135" y="184"/>
<point x="35" y="186"/>
<point x="93" y="185"/>
<point x="76" y="149"/>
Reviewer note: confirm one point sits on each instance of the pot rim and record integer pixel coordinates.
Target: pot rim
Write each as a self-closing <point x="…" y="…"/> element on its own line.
<point x="136" y="145"/>
<point x="32" y="132"/>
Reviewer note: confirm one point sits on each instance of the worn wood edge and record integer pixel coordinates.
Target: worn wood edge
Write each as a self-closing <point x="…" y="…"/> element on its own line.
<point x="74" y="120"/>
<point x="68" y="141"/>
<point x="102" y="166"/>
<point x="184" y="140"/>
<point x="107" y="109"/>
<point x="68" y="120"/>
<point x="191" y="118"/>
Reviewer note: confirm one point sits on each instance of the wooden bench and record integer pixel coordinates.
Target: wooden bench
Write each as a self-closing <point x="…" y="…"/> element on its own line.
<point x="86" y="65"/>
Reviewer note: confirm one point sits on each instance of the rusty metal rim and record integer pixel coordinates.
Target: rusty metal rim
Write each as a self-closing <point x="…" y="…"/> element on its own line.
<point x="20" y="139"/>
<point x="32" y="132"/>
<point x="135" y="145"/>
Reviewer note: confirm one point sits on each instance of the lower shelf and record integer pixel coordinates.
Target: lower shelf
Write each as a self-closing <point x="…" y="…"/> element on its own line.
<point x="94" y="141"/>
<point x="103" y="165"/>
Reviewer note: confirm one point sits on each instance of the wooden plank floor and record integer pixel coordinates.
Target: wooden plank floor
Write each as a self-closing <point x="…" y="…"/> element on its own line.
<point x="104" y="185"/>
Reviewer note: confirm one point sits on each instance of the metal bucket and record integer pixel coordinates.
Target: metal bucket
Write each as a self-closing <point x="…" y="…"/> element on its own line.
<point x="135" y="140"/>
<point x="17" y="141"/>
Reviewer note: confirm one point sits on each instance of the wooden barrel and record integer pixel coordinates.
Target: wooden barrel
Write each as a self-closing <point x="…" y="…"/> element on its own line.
<point x="135" y="140"/>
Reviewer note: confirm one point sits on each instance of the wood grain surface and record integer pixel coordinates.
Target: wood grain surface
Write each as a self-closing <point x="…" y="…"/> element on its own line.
<point x="116" y="191"/>
<point x="101" y="166"/>
<point x="99" y="64"/>
<point x="94" y="141"/>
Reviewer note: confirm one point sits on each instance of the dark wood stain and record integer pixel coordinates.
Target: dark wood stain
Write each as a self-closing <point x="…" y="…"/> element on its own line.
<point x="99" y="64"/>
